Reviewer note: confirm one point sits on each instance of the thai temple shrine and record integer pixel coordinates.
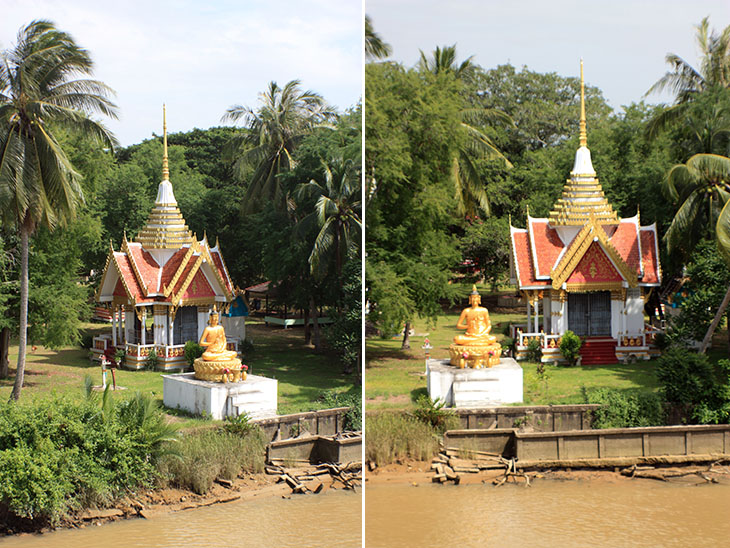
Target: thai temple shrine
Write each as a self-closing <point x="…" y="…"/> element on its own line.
<point x="162" y="286"/>
<point x="586" y="270"/>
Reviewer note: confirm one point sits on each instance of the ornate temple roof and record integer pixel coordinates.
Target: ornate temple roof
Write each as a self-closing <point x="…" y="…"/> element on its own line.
<point x="165" y="264"/>
<point x="582" y="193"/>
<point x="583" y="245"/>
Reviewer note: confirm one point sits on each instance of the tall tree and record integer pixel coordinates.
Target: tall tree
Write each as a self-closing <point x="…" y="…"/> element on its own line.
<point x="375" y="47"/>
<point x="285" y="116"/>
<point x="40" y="90"/>
<point x="687" y="82"/>
<point x="336" y="213"/>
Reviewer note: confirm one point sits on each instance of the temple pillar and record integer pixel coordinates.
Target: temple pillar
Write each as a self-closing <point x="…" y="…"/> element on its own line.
<point x="160" y="324"/>
<point x="546" y="314"/>
<point x="143" y="325"/>
<point x="114" y="326"/>
<point x="529" y="314"/>
<point x="128" y="323"/>
<point x="170" y="324"/>
<point x="537" y="315"/>
<point x="203" y="314"/>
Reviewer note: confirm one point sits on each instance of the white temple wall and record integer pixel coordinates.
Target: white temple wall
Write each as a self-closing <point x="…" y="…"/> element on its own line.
<point x="128" y="325"/>
<point x="559" y="316"/>
<point x="160" y="325"/>
<point x="634" y="311"/>
<point x="203" y="316"/>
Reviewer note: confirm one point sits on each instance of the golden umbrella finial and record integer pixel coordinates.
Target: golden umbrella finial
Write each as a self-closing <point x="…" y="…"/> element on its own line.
<point x="583" y="134"/>
<point x="165" y="164"/>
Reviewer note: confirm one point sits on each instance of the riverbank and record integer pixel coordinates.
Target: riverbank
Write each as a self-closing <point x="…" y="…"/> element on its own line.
<point x="153" y="503"/>
<point x="417" y="473"/>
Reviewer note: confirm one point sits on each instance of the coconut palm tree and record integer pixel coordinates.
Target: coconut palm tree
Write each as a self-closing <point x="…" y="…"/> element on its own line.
<point x="702" y="187"/>
<point x="40" y="91"/>
<point x="285" y="116"/>
<point x="687" y="82"/>
<point x="336" y="213"/>
<point x="375" y="48"/>
<point x="469" y="190"/>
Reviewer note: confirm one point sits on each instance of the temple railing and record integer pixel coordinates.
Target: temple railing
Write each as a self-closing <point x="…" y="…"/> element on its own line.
<point x="546" y="340"/>
<point x="171" y="351"/>
<point x="139" y="350"/>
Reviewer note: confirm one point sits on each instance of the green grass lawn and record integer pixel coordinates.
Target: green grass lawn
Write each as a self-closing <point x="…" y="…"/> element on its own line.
<point x="278" y="353"/>
<point x="395" y="377"/>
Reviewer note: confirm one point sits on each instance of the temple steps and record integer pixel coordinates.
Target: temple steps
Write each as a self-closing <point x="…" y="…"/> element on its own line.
<point x="598" y="351"/>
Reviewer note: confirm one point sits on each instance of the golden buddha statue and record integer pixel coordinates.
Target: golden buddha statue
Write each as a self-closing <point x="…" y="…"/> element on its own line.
<point x="476" y="347"/>
<point x="217" y="363"/>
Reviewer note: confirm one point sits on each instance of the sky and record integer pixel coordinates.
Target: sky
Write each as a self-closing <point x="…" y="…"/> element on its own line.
<point x="202" y="56"/>
<point x="623" y="43"/>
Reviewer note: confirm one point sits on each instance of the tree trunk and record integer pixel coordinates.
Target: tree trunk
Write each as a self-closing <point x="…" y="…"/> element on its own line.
<point x="315" y="323"/>
<point x="406" y="337"/>
<point x="715" y="322"/>
<point x="4" y="351"/>
<point x="307" y="328"/>
<point x="23" y="336"/>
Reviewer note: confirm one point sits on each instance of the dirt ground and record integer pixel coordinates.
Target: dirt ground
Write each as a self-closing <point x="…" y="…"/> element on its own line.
<point x="419" y="473"/>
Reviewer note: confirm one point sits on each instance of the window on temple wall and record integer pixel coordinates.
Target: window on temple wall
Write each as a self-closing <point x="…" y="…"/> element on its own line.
<point x="185" y="327"/>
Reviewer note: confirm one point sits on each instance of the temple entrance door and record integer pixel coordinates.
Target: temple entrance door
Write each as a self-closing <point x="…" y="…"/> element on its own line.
<point x="185" y="327"/>
<point x="589" y="314"/>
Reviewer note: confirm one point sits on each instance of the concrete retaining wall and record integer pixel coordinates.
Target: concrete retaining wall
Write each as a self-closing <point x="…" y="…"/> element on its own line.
<point x="539" y="418"/>
<point x="623" y="442"/>
<point x="315" y="449"/>
<point x="497" y="440"/>
<point x="326" y="422"/>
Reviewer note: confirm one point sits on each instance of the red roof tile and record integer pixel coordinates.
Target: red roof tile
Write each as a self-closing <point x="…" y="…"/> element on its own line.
<point x="146" y="265"/>
<point x="626" y="242"/>
<point x="547" y="245"/>
<point x="172" y="266"/>
<point x="126" y="272"/>
<point x="649" y="256"/>
<point x="523" y="260"/>
<point x="186" y="271"/>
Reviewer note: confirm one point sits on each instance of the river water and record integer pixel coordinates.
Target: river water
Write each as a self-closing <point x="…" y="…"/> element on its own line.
<point x="569" y="514"/>
<point x="331" y="519"/>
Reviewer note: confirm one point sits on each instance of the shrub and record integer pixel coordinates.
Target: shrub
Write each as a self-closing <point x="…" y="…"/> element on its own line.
<point x="570" y="344"/>
<point x="534" y="350"/>
<point x="624" y="409"/>
<point x="57" y="455"/>
<point x="192" y="352"/>
<point x="392" y="436"/>
<point x="432" y="412"/>
<point x="351" y="399"/>
<point x="686" y="376"/>
<point x="152" y="360"/>
<point x="240" y="425"/>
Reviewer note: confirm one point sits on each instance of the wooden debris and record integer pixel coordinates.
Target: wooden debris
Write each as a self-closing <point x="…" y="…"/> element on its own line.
<point x="224" y="482"/>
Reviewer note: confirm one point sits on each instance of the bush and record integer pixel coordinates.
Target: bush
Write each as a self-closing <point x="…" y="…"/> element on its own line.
<point x="152" y="360"/>
<point x="57" y="455"/>
<point x="624" y="409"/>
<point x="686" y="377"/>
<point x="392" y="436"/>
<point x="193" y="351"/>
<point x="351" y="399"/>
<point x="240" y="425"/>
<point x="570" y="344"/>
<point x="432" y="412"/>
<point x="534" y="350"/>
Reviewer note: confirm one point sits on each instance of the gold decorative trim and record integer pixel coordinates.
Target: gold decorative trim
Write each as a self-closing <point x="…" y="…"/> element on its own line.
<point x="97" y="295"/>
<point x="168" y="289"/>
<point x="578" y="249"/>
<point x="124" y="282"/>
<point x="588" y="287"/>
<point x="188" y="280"/>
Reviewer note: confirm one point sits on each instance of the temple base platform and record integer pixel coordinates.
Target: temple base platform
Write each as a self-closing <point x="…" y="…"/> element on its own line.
<point x="256" y="396"/>
<point x="497" y="385"/>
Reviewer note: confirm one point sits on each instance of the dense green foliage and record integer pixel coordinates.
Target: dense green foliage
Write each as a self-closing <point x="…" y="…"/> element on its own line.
<point x="625" y="408"/>
<point x="393" y="436"/>
<point x="58" y="455"/>
<point x="432" y="413"/>
<point x="570" y="347"/>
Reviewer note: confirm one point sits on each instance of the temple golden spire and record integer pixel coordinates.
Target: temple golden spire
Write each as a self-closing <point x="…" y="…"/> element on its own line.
<point x="583" y="134"/>
<point x="165" y="164"/>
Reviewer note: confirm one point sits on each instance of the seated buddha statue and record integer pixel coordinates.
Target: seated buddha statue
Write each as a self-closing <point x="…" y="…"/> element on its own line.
<point x="214" y="342"/>
<point x="475" y="320"/>
<point x="476" y="347"/>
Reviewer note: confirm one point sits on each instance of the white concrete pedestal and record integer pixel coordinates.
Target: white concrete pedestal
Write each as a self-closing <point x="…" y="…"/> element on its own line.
<point x="496" y="385"/>
<point x="256" y="396"/>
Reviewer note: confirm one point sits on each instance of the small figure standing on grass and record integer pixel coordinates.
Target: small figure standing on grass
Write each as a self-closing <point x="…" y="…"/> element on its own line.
<point x="109" y="361"/>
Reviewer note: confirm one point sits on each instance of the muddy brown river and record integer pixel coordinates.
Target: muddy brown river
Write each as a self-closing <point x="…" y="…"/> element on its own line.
<point x="639" y="513"/>
<point x="330" y="519"/>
